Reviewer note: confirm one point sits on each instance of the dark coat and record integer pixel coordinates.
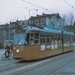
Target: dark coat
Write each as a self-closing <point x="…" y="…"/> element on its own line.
<point x="7" y="47"/>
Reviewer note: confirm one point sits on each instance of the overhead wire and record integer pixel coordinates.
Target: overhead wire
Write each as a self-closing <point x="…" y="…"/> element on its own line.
<point x="36" y="5"/>
<point x="69" y="4"/>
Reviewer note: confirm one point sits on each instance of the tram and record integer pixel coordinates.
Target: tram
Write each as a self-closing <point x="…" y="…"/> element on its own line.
<point x="37" y="43"/>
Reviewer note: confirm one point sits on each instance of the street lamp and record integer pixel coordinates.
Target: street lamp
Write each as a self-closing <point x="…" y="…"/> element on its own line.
<point x="9" y="32"/>
<point x="32" y="10"/>
<point x="25" y="17"/>
<point x="29" y="14"/>
<point x="47" y="11"/>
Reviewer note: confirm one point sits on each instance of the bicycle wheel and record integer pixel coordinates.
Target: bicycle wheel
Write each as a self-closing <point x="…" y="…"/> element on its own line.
<point x="10" y="55"/>
<point x="7" y="54"/>
<point x="3" y="56"/>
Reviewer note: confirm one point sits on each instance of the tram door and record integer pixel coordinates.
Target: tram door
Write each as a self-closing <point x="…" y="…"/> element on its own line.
<point x="31" y="44"/>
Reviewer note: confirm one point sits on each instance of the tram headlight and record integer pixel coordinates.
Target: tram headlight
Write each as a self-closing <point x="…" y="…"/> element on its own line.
<point x="17" y="50"/>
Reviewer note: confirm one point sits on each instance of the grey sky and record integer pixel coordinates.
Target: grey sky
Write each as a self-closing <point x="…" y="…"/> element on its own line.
<point x="11" y="10"/>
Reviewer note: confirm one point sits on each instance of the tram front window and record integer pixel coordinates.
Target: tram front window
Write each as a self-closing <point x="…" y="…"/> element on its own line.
<point x="19" y="39"/>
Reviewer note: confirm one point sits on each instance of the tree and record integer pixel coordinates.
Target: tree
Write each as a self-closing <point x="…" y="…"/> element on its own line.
<point x="64" y="20"/>
<point x="68" y="20"/>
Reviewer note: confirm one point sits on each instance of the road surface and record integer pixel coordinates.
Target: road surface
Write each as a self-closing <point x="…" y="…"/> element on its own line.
<point x="59" y="65"/>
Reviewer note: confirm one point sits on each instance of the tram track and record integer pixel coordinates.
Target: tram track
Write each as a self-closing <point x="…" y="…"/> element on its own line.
<point x="8" y="66"/>
<point x="14" y="68"/>
<point x="61" y="69"/>
<point x="19" y="68"/>
<point x="23" y="68"/>
<point x="53" y="70"/>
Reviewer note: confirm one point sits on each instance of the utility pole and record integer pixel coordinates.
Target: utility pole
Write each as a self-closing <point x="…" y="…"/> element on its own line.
<point x="29" y="14"/>
<point x="9" y="32"/>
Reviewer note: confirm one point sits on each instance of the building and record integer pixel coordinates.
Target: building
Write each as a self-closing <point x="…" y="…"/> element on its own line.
<point x="7" y="30"/>
<point x="49" y="20"/>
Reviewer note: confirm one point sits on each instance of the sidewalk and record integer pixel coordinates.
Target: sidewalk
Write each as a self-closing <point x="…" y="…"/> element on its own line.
<point x="2" y="51"/>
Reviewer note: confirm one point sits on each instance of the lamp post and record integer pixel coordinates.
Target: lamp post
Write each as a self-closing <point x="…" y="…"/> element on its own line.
<point x="4" y="35"/>
<point x="29" y="14"/>
<point x="32" y="10"/>
<point x="47" y="11"/>
<point x="25" y="17"/>
<point x="9" y="32"/>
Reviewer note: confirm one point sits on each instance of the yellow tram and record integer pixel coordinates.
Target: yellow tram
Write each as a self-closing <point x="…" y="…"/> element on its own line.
<point x="35" y="43"/>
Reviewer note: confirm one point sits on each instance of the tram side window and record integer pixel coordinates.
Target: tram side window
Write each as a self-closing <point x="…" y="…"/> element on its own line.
<point x="52" y="39"/>
<point x="70" y="40"/>
<point x="27" y="38"/>
<point x="59" y="38"/>
<point x="65" y="39"/>
<point x="31" y="41"/>
<point x="42" y="38"/>
<point x="68" y="37"/>
<point x="31" y="34"/>
<point x="56" y="39"/>
<point x="36" y="41"/>
<point x="42" y="35"/>
<point x="37" y="35"/>
<point x="47" y="39"/>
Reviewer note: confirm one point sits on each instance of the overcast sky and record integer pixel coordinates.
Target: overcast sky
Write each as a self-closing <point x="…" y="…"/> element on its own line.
<point x="11" y="10"/>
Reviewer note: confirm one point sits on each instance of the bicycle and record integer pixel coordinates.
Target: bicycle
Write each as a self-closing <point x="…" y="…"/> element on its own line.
<point x="6" y="54"/>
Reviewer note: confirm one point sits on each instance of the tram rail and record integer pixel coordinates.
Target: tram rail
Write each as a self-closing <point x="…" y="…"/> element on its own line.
<point x="25" y="68"/>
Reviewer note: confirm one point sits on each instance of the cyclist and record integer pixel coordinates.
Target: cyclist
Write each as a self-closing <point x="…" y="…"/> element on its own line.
<point x="11" y="47"/>
<point x="7" y="50"/>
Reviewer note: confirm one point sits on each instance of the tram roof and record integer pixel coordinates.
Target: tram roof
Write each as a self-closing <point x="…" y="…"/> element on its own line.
<point x="58" y="31"/>
<point x="52" y="30"/>
<point x="49" y="30"/>
<point x="68" y="33"/>
<point x="45" y="29"/>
